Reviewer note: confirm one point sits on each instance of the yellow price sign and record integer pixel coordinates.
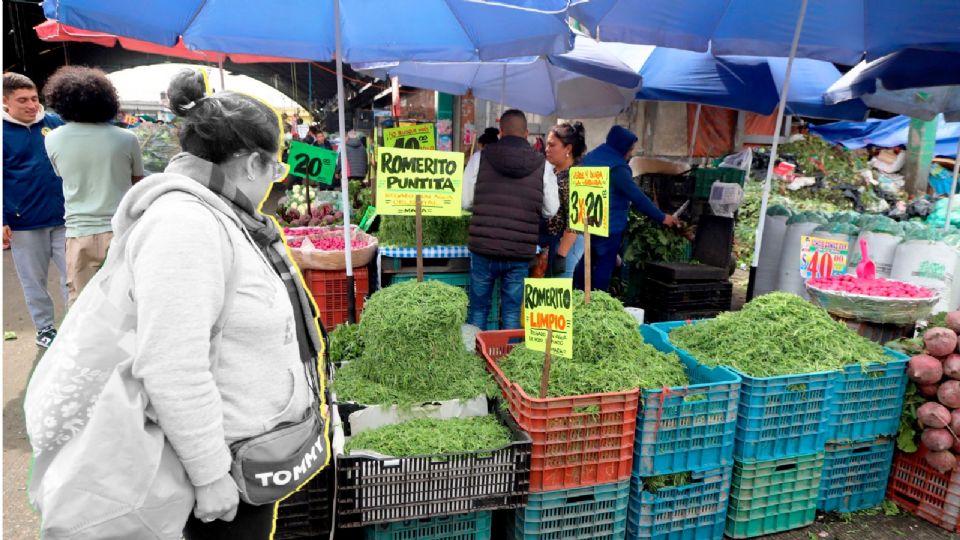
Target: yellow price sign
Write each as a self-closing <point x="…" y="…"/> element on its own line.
<point x="415" y="137"/>
<point x="548" y="304"/>
<point x="403" y="174"/>
<point x="590" y="199"/>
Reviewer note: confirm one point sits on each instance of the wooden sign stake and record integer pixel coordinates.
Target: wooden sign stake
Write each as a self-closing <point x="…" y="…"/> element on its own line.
<point x="419" y="220"/>
<point x="586" y="262"/>
<point x="545" y="378"/>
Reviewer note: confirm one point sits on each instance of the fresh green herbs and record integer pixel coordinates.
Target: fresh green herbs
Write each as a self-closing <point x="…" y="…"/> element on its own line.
<point x="656" y="483"/>
<point x="608" y="356"/>
<point x="777" y="334"/>
<point x="401" y="231"/>
<point x="432" y="436"/>
<point x="345" y="343"/>
<point x="412" y="349"/>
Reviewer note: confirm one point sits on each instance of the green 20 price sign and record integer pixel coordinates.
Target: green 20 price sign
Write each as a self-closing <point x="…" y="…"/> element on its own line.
<point x="314" y="163"/>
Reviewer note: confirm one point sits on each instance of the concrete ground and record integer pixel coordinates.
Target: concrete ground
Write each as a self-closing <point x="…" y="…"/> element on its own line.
<point x="20" y="522"/>
<point x="19" y="357"/>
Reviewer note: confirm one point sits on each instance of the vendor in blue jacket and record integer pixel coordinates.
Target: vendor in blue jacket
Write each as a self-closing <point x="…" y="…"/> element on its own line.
<point x="623" y="191"/>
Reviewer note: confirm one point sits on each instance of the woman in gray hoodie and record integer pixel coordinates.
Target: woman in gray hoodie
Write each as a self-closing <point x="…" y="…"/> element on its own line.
<point x="201" y="257"/>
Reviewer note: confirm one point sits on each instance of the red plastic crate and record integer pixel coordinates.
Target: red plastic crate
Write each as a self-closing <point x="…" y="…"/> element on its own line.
<point x="577" y="440"/>
<point x="919" y="489"/>
<point x="329" y="290"/>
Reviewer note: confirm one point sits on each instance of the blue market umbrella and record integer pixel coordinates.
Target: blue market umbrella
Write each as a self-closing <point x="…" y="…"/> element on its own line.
<point x="586" y="82"/>
<point x="355" y="30"/>
<point x="840" y="31"/>
<point x="745" y="83"/>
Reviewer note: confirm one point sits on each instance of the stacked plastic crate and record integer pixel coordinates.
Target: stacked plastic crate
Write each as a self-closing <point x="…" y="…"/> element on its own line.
<point x="810" y="440"/>
<point x="581" y="456"/>
<point x="592" y="454"/>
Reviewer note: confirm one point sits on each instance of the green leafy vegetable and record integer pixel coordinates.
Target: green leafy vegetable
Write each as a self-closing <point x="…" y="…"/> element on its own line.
<point x="432" y="436"/>
<point x="412" y="349"/>
<point x="345" y="343"/>
<point x="401" y="231"/>
<point x="656" y="483"/>
<point x="608" y="356"/>
<point x="777" y="334"/>
<point x="909" y="432"/>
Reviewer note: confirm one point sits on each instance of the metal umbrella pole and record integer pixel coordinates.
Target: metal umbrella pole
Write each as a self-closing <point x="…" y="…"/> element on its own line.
<point x="773" y="150"/>
<point x="953" y="187"/>
<point x="344" y="171"/>
<point x="696" y="128"/>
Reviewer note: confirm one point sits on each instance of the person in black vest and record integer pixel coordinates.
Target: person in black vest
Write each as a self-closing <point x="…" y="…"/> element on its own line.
<point x="509" y="193"/>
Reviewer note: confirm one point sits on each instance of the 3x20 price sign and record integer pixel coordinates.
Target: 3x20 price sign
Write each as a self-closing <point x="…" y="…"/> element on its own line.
<point x="417" y="137"/>
<point x="548" y="303"/>
<point x="590" y="199"/>
<point x="822" y="257"/>
<point x="314" y="163"/>
<point x="402" y="174"/>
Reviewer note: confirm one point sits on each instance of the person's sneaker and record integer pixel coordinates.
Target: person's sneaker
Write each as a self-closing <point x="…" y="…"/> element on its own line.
<point x="45" y="336"/>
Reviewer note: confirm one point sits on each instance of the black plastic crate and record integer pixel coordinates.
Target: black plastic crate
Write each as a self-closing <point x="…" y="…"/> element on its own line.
<point x="668" y="191"/>
<point x="676" y="296"/>
<point x="372" y="490"/>
<point x="683" y="272"/>
<point x="308" y="513"/>
<point x="660" y="315"/>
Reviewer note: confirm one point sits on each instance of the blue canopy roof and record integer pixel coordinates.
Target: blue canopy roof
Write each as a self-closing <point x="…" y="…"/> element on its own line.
<point x="886" y="133"/>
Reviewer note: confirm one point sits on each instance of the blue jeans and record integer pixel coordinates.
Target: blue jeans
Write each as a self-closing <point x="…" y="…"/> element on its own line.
<point x="484" y="272"/>
<point x="603" y="261"/>
<point x="32" y="252"/>
<point x="573" y="258"/>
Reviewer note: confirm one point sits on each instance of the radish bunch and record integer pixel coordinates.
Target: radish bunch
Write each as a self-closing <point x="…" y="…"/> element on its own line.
<point x="936" y="373"/>
<point x="327" y="242"/>
<point x="884" y="288"/>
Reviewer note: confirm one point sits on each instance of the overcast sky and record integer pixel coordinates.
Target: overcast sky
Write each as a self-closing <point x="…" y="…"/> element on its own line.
<point x="145" y="83"/>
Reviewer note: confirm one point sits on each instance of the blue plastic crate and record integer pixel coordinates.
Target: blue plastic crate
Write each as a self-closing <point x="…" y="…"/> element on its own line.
<point x="462" y="280"/>
<point x="867" y="402"/>
<point x="475" y="526"/>
<point x="855" y="475"/>
<point x="696" y="511"/>
<point x="686" y="428"/>
<point x="585" y="513"/>
<point x="778" y="417"/>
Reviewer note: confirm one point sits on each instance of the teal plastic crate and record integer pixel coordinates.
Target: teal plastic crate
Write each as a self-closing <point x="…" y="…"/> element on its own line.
<point x="867" y="402"/>
<point x="686" y="428"/>
<point x="704" y="178"/>
<point x="475" y="526"/>
<point x="767" y="497"/>
<point x="696" y="511"/>
<point x="462" y="280"/>
<point x="855" y="475"/>
<point x="585" y="513"/>
<point x="778" y="417"/>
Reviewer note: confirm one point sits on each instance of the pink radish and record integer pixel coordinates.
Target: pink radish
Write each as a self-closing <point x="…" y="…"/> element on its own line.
<point x="937" y="439"/>
<point x="949" y="394"/>
<point x="924" y="369"/>
<point x="940" y="341"/>
<point x="953" y="321"/>
<point x="951" y="366"/>
<point x="942" y="461"/>
<point x="928" y="390"/>
<point x="933" y="415"/>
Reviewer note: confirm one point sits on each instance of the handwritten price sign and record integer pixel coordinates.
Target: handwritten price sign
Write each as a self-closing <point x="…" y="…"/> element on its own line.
<point x="312" y="162"/>
<point x="822" y="257"/>
<point x="417" y="137"/>
<point x="590" y="199"/>
<point x="548" y="303"/>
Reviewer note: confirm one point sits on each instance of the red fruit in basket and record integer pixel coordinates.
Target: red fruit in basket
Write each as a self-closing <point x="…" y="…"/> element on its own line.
<point x="928" y="390"/>
<point x="937" y="439"/>
<point x="940" y="341"/>
<point x="942" y="461"/>
<point x="933" y="415"/>
<point x="924" y="369"/>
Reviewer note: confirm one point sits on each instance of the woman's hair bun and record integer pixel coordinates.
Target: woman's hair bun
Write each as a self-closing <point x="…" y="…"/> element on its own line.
<point x="186" y="88"/>
<point x="579" y="129"/>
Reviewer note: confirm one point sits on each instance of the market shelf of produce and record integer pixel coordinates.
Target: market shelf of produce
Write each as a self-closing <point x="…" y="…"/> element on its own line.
<point x="778" y="417"/>
<point x="473" y="526"/>
<point x="773" y="496"/>
<point x="867" y="400"/>
<point x="380" y="490"/>
<point x="461" y="280"/>
<point x="695" y="511"/>
<point x="686" y="428"/>
<point x="919" y="489"/>
<point x="594" y="512"/>
<point x="308" y="513"/>
<point x="329" y="290"/>
<point x="577" y="440"/>
<point x="855" y="475"/>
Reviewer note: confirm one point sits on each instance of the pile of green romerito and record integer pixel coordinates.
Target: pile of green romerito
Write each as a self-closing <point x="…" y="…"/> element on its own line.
<point x="777" y="334"/>
<point x="412" y="349"/>
<point x="609" y="355"/>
